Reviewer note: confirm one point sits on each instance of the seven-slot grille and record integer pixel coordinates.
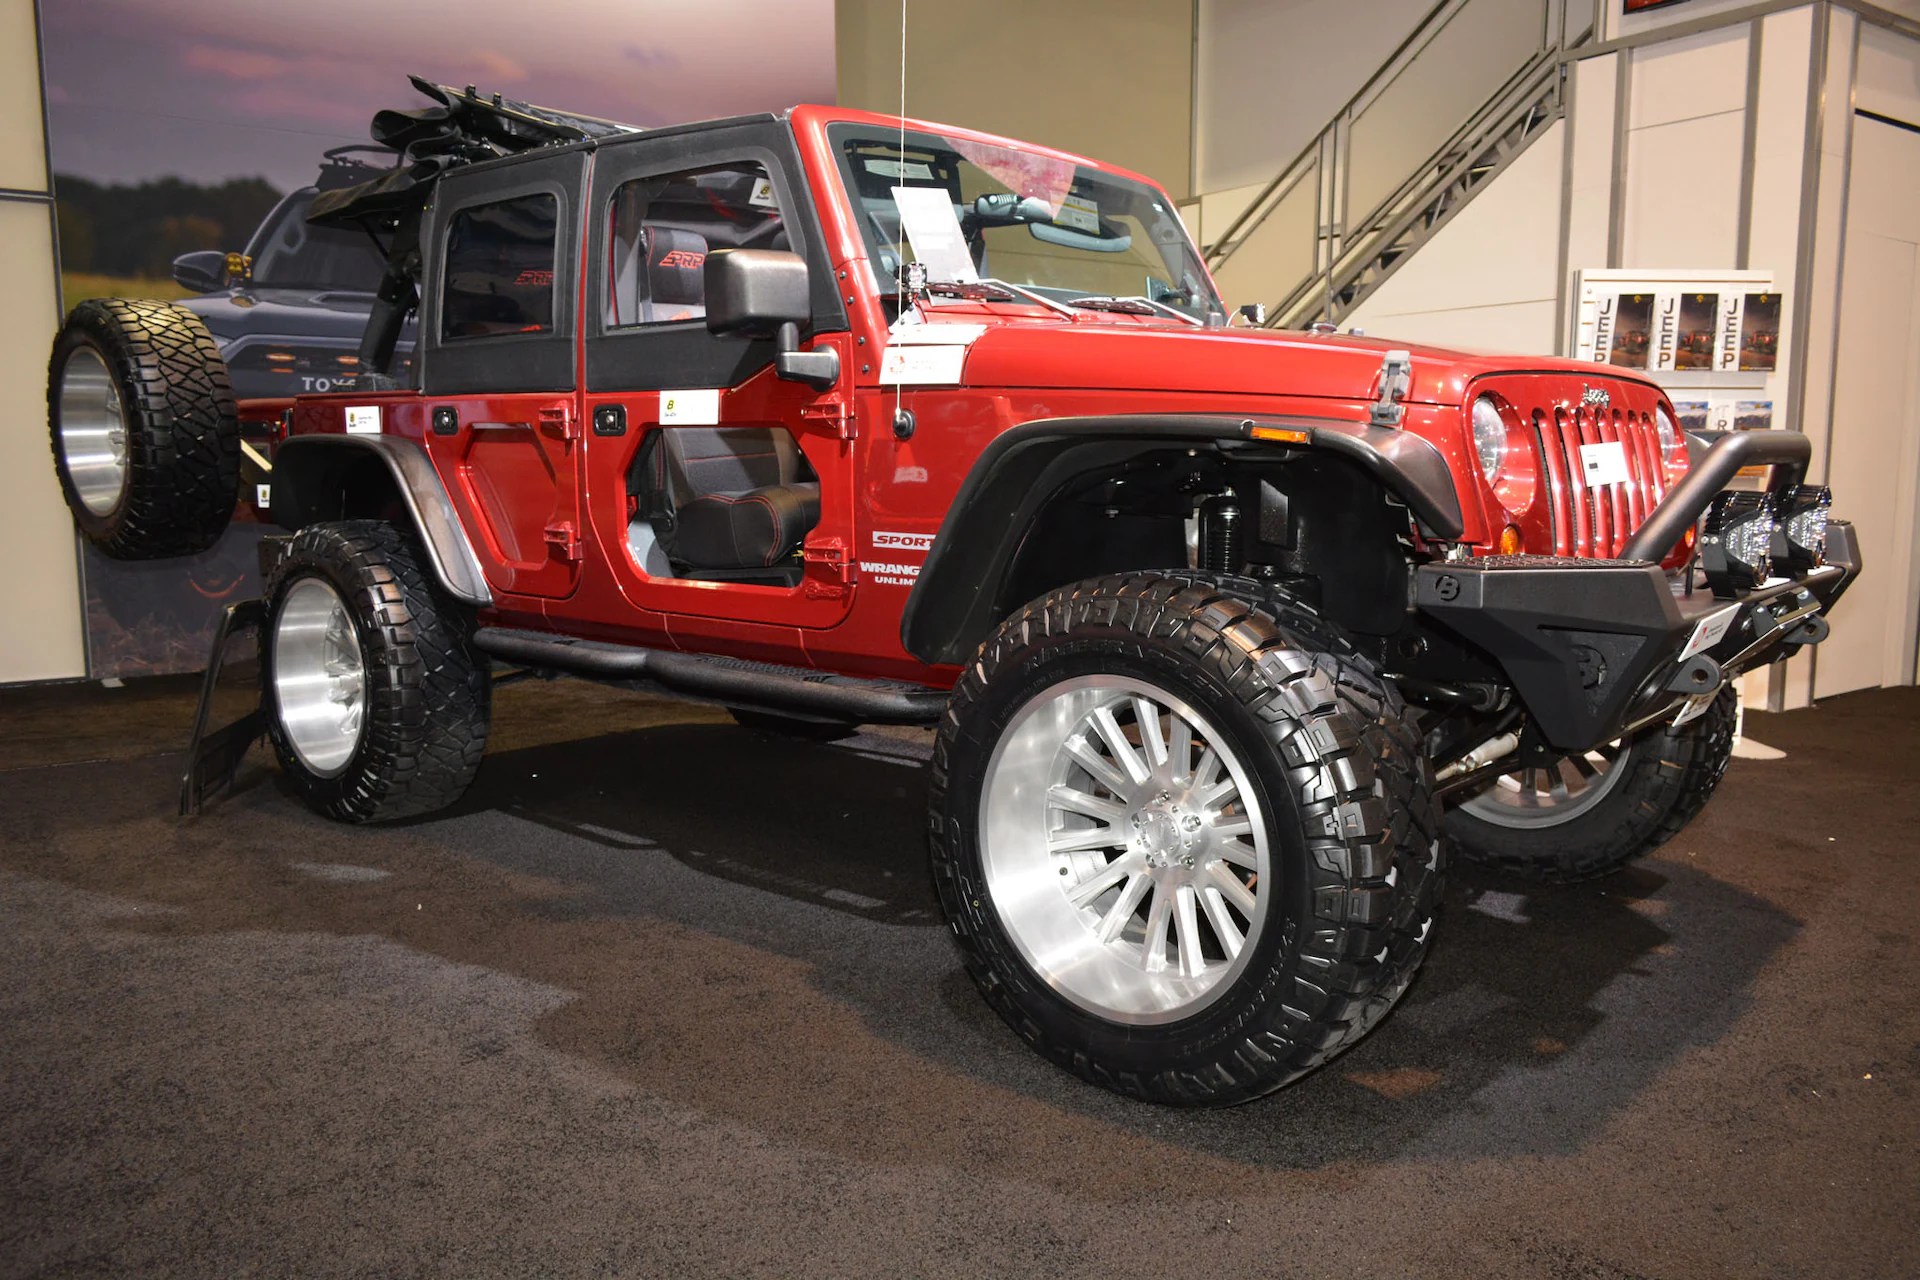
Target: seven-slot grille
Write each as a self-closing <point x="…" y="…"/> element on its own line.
<point x="1591" y="520"/>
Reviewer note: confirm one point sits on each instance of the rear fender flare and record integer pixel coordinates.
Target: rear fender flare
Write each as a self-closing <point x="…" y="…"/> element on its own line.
<point x="307" y="475"/>
<point x="955" y="600"/>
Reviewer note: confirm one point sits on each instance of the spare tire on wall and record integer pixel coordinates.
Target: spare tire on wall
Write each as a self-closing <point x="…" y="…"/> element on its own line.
<point x="145" y="436"/>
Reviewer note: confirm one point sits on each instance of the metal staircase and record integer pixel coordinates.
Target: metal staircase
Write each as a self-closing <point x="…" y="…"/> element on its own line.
<point x="1334" y="225"/>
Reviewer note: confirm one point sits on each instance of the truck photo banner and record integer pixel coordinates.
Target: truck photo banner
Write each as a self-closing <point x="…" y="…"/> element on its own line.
<point x="188" y="139"/>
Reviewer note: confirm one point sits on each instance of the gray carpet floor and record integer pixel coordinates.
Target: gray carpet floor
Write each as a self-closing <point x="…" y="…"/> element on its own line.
<point x="669" y="997"/>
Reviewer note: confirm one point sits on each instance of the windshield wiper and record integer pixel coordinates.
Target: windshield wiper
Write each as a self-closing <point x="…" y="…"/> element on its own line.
<point x="988" y="289"/>
<point x="1134" y="306"/>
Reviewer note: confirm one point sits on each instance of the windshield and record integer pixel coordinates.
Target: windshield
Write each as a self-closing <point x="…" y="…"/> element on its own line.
<point x="1064" y="231"/>
<point x="291" y="253"/>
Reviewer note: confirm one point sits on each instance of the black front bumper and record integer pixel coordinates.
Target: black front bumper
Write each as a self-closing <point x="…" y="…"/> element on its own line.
<point x="1594" y="648"/>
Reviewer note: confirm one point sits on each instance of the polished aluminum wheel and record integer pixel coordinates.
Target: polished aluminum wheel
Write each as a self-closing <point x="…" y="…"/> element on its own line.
<point x="93" y="432"/>
<point x="319" y="676"/>
<point x="1548" y="795"/>
<point x="1124" y="849"/>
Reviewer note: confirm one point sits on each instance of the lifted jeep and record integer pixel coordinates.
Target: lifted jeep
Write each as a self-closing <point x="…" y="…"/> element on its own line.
<point x="834" y="418"/>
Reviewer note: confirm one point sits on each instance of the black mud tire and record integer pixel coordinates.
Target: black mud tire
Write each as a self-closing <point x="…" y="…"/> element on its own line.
<point x="1670" y="775"/>
<point x="1332" y="753"/>
<point x="793" y="726"/>
<point x="429" y="696"/>
<point x="181" y="438"/>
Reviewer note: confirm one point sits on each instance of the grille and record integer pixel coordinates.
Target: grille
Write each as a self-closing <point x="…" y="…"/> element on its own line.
<point x="1596" y="521"/>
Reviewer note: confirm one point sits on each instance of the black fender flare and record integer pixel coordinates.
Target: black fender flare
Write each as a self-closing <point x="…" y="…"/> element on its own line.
<point x="308" y="470"/>
<point x="952" y="606"/>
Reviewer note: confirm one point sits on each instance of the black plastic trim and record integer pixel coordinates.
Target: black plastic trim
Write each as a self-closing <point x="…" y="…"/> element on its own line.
<point x="756" y="685"/>
<point x="953" y="603"/>
<point x="307" y="471"/>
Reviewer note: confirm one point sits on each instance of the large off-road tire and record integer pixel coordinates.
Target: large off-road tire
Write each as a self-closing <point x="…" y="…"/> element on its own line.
<point x="377" y="706"/>
<point x="145" y="436"/>
<point x="1592" y="814"/>
<point x="1193" y="759"/>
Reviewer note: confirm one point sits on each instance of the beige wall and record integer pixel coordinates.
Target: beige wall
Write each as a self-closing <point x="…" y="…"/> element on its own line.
<point x="40" y="635"/>
<point x="1110" y="79"/>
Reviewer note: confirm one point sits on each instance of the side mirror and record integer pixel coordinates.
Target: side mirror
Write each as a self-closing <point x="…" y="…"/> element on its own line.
<point x="202" y="272"/>
<point x="762" y="292"/>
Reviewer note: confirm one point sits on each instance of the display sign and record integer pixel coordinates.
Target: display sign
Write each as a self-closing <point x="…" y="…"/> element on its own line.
<point x="1711" y="338"/>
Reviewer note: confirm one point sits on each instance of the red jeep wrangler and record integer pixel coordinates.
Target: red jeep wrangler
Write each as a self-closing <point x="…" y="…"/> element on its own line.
<point x="835" y="418"/>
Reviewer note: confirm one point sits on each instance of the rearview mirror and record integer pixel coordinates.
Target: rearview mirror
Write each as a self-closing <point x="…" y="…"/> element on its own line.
<point x="765" y="292"/>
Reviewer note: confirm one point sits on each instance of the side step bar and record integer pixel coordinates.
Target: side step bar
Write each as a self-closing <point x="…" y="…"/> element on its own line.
<point x="758" y="685"/>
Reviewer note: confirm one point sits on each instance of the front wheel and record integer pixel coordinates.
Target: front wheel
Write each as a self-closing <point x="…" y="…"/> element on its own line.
<point x="1590" y="813"/>
<point x="1184" y="835"/>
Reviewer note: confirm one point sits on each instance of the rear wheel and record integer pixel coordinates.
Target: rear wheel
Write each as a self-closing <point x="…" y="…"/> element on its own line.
<point x="1589" y="814"/>
<point x="378" y="709"/>
<point x="145" y="436"/>
<point x="1183" y="832"/>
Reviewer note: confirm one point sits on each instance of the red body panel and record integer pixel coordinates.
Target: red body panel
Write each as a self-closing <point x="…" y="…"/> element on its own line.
<point x="545" y="503"/>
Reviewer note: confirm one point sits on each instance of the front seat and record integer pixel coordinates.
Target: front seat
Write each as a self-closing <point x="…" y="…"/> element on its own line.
<point x="730" y="502"/>
<point x="673" y="286"/>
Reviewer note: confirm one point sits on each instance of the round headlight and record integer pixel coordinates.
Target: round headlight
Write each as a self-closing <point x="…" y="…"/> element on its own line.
<point x="1673" y="445"/>
<point x="1489" y="437"/>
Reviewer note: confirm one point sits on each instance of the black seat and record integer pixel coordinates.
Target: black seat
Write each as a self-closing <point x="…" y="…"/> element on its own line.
<point x="729" y="501"/>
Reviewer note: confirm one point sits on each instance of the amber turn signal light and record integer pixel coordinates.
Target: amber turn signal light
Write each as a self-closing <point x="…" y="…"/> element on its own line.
<point x="1512" y="542"/>
<point x="1285" y="435"/>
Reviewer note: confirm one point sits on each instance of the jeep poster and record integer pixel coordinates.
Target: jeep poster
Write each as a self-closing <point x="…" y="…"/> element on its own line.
<point x="188" y="139"/>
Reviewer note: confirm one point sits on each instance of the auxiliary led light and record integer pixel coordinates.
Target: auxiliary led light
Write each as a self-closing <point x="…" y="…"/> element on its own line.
<point x="1737" y="542"/>
<point x="1802" y="539"/>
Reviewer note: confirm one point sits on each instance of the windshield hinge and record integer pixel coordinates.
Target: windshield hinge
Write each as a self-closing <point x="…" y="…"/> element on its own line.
<point x="1396" y="378"/>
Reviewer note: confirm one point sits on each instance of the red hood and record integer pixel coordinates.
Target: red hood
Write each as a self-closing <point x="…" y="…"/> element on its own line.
<point x="1159" y="357"/>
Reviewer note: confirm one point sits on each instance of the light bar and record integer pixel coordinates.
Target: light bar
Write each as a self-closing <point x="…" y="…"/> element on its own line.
<point x="1736" y="543"/>
<point x="1801" y="541"/>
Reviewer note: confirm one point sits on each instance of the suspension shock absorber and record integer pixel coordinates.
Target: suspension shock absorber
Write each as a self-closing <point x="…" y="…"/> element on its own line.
<point x="1222" y="534"/>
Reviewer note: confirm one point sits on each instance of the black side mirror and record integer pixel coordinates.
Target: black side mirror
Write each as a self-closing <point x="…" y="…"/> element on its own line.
<point x="202" y="272"/>
<point x="762" y="292"/>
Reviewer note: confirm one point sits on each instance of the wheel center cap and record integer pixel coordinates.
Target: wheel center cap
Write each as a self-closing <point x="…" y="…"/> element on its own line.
<point x="1159" y="834"/>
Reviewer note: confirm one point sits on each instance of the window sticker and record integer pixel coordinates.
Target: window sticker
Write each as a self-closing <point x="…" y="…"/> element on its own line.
<point x="762" y="194"/>
<point x="922" y="365"/>
<point x="1605" y="463"/>
<point x="1078" y="213"/>
<point x="697" y="408"/>
<point x="933" y="229"/>
<point x="906" y="170"/>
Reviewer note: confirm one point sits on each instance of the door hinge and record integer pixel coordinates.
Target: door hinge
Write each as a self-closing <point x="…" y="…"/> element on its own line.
<point x="565" y="540"/>
<point x="830" y="413"/>
<point x="560" y="423"/>
<point x="834" y="577"/>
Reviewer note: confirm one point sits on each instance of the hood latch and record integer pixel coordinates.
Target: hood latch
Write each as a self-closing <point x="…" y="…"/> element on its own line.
<point x="1396" y="379"/>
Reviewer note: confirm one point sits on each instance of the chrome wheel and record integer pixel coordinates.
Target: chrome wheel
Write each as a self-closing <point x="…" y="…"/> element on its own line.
<point x="93" y="432"/>
<point x="319" y="676"/>
<point x="1124" y="849"/>
<point x="1551" y="794"/>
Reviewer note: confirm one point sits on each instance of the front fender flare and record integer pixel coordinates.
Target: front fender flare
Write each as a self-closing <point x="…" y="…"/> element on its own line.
<point x="307" y="471"/>
<point x="954" y="601"/>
